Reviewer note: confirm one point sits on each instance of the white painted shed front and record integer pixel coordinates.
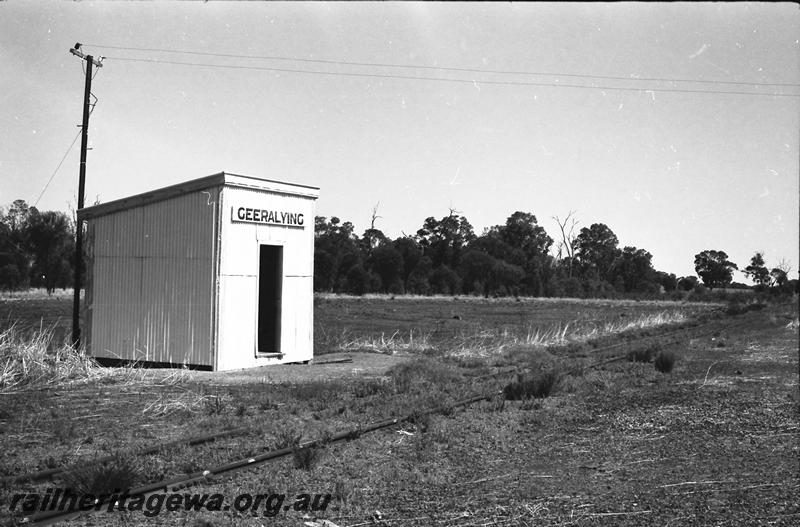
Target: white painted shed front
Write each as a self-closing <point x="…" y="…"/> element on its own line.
<point x="215" y="273"/>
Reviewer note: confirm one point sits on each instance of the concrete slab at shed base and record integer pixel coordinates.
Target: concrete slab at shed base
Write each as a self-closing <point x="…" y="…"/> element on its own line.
<point x="322" y="368"/>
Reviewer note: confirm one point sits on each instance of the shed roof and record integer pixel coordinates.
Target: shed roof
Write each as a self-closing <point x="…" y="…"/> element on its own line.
<point x="215" y="180"/>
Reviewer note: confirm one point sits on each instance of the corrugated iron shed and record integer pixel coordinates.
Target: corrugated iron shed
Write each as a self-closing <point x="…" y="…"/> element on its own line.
<point x="216" y="272"/>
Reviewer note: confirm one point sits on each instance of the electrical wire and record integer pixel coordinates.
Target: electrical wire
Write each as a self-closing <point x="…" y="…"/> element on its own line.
<point x="96" y="70"/>
<point x="96" y="100"/>
<point x="444" y="68"/>
<point x="474" y="82"/>
<point x="91" y="109"/>
<point x="57" y="168"/>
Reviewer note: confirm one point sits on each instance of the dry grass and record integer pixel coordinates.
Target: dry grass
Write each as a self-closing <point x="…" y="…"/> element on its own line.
<point x="420" y="374"/>
<point x="395" y="343"/>
<point x="34" y="359"/>
<point x="651" y="320"/>
<point x="524" y="300"/>
<point x="187" y="402"/>
<point x="36" y="293"/>
<point x="489" y="343"/>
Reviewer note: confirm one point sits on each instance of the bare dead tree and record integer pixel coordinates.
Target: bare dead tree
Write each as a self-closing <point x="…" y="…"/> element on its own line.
<point x="374" y="215"/>
<point x="567" y="243"/>
<point x="372" y="235"/>
<point x="784" y="266"/>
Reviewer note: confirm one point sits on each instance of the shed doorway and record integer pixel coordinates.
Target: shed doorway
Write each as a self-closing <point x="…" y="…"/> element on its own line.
<point x="270" y="275"/>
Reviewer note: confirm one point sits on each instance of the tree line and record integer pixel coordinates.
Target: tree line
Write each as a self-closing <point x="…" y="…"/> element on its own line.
<point x="37" y="248"/>
<point x="445" y="256"/>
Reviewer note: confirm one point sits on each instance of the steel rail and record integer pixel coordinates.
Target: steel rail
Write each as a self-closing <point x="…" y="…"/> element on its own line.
<point x="197" y="440"/>
<point x="191" y="441"/>
<point x="205" y="476"/>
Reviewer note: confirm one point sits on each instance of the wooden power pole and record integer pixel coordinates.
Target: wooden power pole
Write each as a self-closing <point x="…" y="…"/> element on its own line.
<point x="76" y="301"/>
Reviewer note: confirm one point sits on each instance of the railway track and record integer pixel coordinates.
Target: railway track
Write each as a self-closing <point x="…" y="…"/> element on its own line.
<point x="205" y="476"/>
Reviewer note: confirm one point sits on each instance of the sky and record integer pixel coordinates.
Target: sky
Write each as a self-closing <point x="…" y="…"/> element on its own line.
<point x="668" y="167"/>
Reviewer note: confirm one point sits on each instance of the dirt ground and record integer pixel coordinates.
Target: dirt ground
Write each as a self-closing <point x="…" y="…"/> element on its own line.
<point x="714" y="442"/>
<point x="323" y="368"/>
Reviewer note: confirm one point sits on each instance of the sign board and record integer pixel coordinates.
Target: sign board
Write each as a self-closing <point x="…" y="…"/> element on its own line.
<point x="268" y="217"/>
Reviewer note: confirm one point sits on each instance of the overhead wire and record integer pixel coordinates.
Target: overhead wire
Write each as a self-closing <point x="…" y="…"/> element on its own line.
<point x="475" y="82"/>
<point x="57" y="168"/>
<point x="444" y="68"/>
<point x="53" y="175"/>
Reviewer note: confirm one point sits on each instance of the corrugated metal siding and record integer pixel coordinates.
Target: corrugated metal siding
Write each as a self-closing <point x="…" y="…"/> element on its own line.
<point x="153" y="281"/>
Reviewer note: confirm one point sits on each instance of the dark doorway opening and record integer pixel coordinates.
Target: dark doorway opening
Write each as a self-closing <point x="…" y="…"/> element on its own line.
<point x="270" y="274"/>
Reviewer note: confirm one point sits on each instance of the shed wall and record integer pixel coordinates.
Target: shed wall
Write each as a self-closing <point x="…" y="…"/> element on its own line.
<point x="153" y="283"/>
<point x="238" y="278"/>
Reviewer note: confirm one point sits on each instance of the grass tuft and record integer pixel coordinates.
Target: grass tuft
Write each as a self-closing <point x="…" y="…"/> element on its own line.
<point x="665" y="361"/>
<point x="395" y="343"/>
<point x="532" y="386"/>
<point x="216" y="405"/>
<point x="568" y="336"/>
<point x="188" y="402"/>
<point x="117" y="475"/>
<point x="370" y="387"/>
<point x="644" y="354"/>
<point x="421" y="373"/>
<point x="35" y="359"/>
<point x="287" y="437"/>
<point x="306" y="457"/>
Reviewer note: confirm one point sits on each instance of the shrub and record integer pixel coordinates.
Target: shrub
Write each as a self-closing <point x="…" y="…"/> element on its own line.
<point x="422" y="372"/>
<point x="287" y="437"/>
<point x="369" y="387"/>
<point x="645" y="354"/>
<point x="421" y="420"/>
<point x="215" y="405"/>
<point x="537" y="385"/>
<point x="495" y="404"/>
<point x="306" y="457"/>
<point x="527" y="357"/>
<point x="737" y="308"/>
<point x="665" y="361"/>
<point x="116" y="475"/>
